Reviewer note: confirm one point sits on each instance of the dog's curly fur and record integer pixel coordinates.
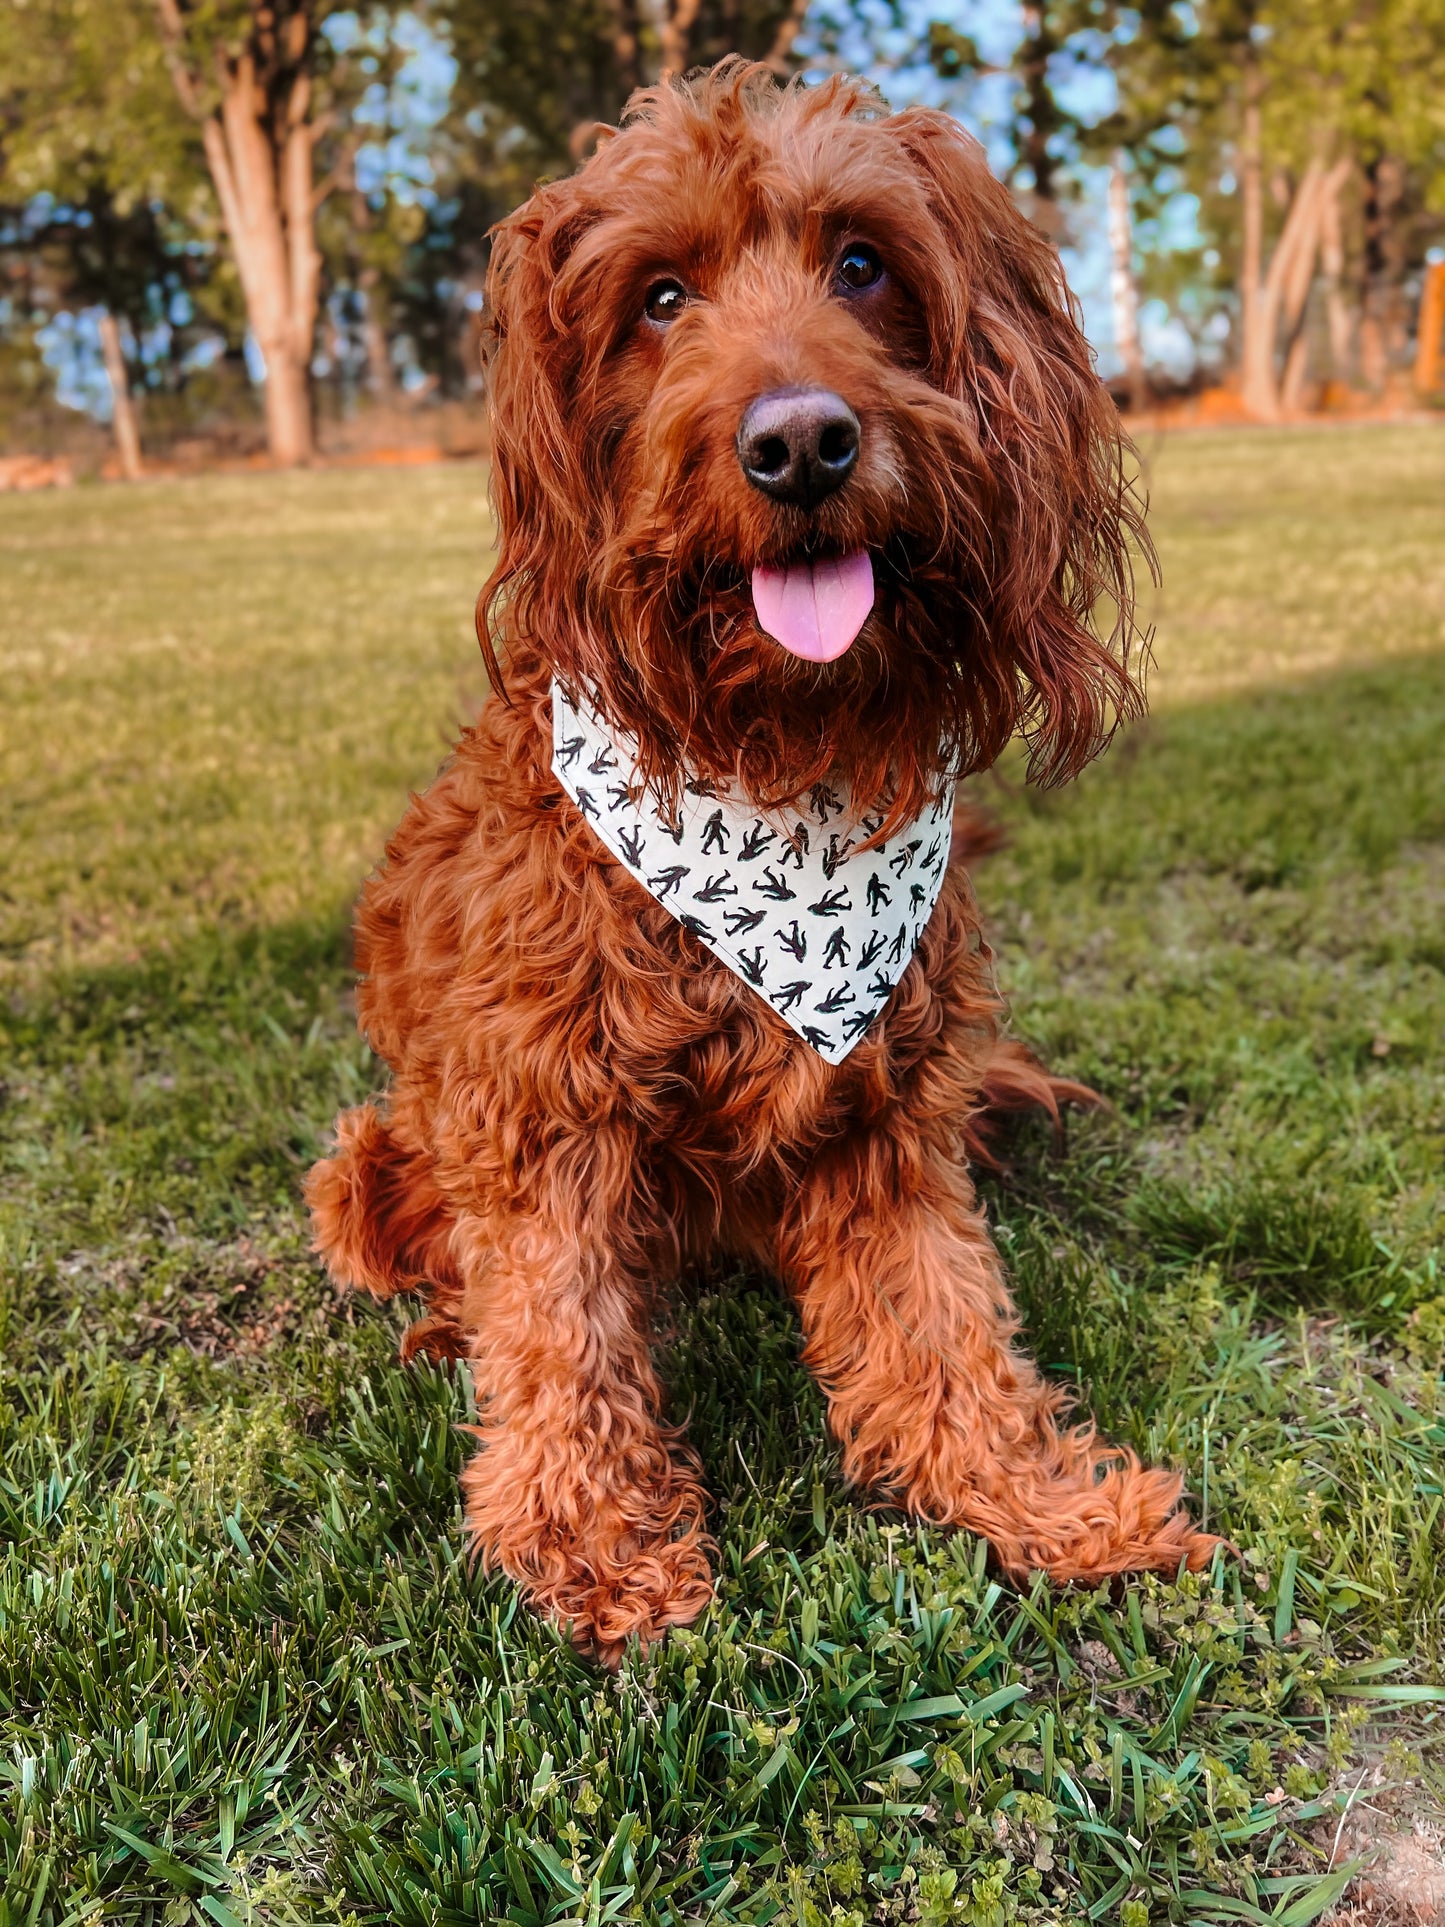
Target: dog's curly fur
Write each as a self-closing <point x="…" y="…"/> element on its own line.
<point x="583" y="1099"/>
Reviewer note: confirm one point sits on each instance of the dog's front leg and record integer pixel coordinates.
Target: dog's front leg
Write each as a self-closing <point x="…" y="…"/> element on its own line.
<point x="910" y="1331"/>
<point x="579" y="1493"/>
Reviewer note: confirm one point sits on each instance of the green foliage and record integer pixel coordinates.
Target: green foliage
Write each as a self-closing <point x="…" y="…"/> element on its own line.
<point x="246" y="1674"/>
<point x="1335" y="78"/>
<point x="87" y="98"/>
<point x="532" y="78"/>
<point x="1048" y="133"/>
<point x="103" y="175"/>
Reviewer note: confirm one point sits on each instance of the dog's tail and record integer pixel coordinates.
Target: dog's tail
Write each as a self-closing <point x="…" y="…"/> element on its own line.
<point x="1015" y="1081"/>
<point x="382" y="1225"/>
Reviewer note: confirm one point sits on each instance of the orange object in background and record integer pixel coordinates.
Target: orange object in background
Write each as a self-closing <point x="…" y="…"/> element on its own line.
<point x="1428" y="350"/>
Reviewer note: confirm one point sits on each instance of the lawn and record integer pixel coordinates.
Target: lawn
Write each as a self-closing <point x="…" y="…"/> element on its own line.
<point x="245" y="1672"/>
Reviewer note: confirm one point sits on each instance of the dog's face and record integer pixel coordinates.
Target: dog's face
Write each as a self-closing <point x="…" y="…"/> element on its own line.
<point x="800" y="461"/>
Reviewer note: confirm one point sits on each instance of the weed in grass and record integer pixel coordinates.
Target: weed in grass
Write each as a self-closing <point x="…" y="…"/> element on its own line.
<point x="246" y="1674"/>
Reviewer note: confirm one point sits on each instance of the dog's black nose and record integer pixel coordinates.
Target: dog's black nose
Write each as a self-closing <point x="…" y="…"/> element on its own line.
<point x="799" y="444"/>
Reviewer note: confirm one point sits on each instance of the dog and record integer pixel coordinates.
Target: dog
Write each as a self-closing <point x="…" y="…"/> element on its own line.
<point x="806" y="489"/>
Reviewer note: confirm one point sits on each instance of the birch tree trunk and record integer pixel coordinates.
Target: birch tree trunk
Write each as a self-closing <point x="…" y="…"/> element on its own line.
<point x="1285" y="291"/>
<point x="1298" y="276"/>
<point x="1296" y="371"/>
<point x="264" y="188"/>
<point x="1337" y="315"/>
<point x="787" y="32"/>
<point x="1041" y="112"/>
<point x="1122" y="287"/>
<point x="122" y="408"/>
<point x="259" y="144"/>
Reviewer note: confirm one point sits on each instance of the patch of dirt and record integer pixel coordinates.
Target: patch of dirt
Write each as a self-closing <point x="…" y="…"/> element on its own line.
<point x="1101" y="1670"/>
<point x="227" y="1306"/>
<point x="1403" y="1883"/>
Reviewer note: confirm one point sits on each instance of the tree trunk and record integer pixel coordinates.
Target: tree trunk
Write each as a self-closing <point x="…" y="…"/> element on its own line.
<point x="1298" y="278"/>
<point x="379" y="377"/>
<point x="780" y="53"/>
<point x="1332" y="250"/>
<point x="298" y="211"/>
<point x="259" y="152"/>
<point x="1296" y="371"/>
<point x="1286" y="289"/>
<point x="1042" y="117"/>
<point x="1382" y="330"/>
<point x="624" y="47"/>
<point x="122" y="408"/>
<point x="1256" y="351"/>
<point x="1428" y="343"/>
<point x="1122" y="286"/>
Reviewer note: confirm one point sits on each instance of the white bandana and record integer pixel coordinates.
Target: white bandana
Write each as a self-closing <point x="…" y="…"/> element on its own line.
<point x="820" y="930"/>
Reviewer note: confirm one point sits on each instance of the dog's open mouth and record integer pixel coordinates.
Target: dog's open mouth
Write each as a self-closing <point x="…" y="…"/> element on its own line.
<point x="815" y="608"/>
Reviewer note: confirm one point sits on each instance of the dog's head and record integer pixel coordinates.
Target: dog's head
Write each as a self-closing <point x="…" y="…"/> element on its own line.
<point x="800" y="462"/>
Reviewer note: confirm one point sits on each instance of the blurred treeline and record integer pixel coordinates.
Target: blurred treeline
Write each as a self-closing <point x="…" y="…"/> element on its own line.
<point x="197" y="191"/>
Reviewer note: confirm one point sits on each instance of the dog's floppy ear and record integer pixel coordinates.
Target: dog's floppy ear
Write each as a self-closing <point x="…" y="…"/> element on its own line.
<point x="1007" y="344"/>
<point x="537" y="464"/>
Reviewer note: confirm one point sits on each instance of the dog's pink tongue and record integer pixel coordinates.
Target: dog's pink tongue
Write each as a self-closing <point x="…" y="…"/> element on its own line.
<point x="815" y="609"/>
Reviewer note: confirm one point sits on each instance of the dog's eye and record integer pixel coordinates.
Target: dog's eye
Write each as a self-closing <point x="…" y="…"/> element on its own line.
<point x="859" y="268"/>
<point x="665" y="301"/>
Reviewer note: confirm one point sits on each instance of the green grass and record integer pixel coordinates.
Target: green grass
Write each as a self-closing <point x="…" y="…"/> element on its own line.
<point x="245" y="1672"/>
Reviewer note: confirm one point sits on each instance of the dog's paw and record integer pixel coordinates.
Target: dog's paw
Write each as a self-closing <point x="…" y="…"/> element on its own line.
<point x="656" y="1588"/>
<point x="611" y="1566"/>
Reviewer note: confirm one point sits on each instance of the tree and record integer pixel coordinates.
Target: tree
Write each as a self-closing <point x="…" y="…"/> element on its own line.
<point x="90" y="158"/>
<point x="1056" y="130"/>
<point x="91" y="252"/>
<point x="244" y="110"/>
<point x="1123" y="289"/>
<point x="533" y="79"/>
<point x="1272" y="112"/>
<point x="1040" y="119"/>
<point x="1042" y="131"/>
<point x="269" y="93"/>
<point x="1390" y="58"/>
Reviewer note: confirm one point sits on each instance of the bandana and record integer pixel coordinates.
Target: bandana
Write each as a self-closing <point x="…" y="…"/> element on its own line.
<point x="821" y="930"/>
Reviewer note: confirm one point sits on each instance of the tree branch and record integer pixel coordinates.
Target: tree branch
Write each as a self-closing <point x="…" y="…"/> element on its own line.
<point x="787" y="33"/>
<point x="173" y="35"/>
<point x="343" y="174"/>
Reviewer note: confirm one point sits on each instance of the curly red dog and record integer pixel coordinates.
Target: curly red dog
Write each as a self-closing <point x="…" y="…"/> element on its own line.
<point x="761" y="331"/>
